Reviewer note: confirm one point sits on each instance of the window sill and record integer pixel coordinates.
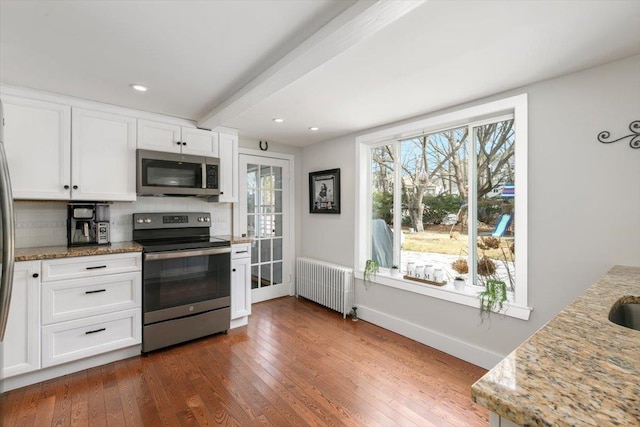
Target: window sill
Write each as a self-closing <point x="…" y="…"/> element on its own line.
<point x="467" y="296"/>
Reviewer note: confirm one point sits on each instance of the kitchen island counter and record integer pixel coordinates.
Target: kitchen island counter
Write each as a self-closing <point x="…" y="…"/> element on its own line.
<point x="578" y="369"/>
<point x="54" y="252"/>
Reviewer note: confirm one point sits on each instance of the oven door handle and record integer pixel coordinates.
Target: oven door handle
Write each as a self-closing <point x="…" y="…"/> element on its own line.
<point x="186" y="254"/>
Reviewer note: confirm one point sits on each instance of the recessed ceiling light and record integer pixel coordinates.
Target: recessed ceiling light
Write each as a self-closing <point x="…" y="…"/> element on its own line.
<point x="313" y="128"/>
<point x="278" y="120"/>
<point x="139" y="88"/>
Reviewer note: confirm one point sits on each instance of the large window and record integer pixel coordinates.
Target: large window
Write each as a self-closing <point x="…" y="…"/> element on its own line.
<point x="448" y="194"/>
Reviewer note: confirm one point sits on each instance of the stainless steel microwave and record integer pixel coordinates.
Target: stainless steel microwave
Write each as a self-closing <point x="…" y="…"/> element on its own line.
<point x="174" y="174"/>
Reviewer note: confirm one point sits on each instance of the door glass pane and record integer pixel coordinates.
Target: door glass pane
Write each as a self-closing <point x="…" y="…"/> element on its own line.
<point x="251" y="226"/>
<point x="265" y="250"/>
<point x="254" y="252"/>
<point x="251" y="201"/>
<point x="495" y="151"/>
<point x="265" y="275"/>
<point x="277" y="174"/>
<point x="277" y="225"/>
<point x="277" y="249"/>
<point x="277" y="272"/>
<point x="252" y="176"/>
<point x="278" y="201"/>
<point x="254" y="277"/>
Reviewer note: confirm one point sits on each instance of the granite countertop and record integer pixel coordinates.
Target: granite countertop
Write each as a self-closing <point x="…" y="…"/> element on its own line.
<point x="53" y="252"/>
<point x="578" y="369"/>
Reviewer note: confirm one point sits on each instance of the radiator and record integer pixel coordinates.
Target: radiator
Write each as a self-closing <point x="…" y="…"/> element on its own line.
<point x="327" y="284"/>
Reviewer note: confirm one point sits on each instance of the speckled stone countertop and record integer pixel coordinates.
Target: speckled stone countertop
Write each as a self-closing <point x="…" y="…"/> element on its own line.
<point x="579" y="369"/>
<point x="53" y="252"/>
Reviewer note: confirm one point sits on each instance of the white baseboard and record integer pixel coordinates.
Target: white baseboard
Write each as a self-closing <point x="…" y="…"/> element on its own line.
<point x="45" y="374"/>
<point x="460" y="349"/>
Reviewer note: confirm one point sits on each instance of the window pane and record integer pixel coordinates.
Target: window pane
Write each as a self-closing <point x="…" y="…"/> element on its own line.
<point x="495" y="151"/>
<point x="382" y="187"/>
<point x="434" y="186"/>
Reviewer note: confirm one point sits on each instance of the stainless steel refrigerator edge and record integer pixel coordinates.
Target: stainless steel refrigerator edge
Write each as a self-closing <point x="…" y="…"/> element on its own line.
<point x="8" y="243"/>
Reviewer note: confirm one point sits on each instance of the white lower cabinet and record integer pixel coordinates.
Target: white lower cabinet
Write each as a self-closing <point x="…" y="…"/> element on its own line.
<point x="22" y="338"/>
<point x="240" y="283"/>
<point x="90" y="305"/>
<point x="67" y="341"/>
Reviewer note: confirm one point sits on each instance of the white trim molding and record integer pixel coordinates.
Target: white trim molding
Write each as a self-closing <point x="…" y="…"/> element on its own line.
<point x="515" y="106"/>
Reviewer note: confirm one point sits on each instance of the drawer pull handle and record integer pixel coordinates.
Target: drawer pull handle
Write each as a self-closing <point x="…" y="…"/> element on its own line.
<point x="96" y="267"/>
<point x="97" y="330"/>
<point x="242" y="252"/>
<point x="96" y="291"/>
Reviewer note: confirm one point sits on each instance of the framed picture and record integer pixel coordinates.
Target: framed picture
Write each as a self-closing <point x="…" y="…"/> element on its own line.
<point x="324" y="191"/>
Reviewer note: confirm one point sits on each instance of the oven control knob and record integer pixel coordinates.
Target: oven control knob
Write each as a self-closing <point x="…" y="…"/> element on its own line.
<point x="147" y="220"/>
<point x="139" y="220"/>
<point x="206" y="219"/>
<point x="199" y="219"/>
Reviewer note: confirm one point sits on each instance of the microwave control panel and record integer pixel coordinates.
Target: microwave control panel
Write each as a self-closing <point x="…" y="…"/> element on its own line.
<point x="212" y="176"/>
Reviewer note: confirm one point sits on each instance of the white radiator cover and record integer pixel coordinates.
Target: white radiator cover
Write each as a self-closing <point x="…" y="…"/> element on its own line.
<point x="327" y="284"/>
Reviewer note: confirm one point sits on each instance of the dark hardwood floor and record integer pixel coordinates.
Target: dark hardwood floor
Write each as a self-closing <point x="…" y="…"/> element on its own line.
<point x="297" y="363"/>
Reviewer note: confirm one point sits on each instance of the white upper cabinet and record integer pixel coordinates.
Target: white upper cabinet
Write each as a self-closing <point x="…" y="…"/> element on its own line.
<point x="103" y="163"/>
<point x="168" y="137"/>
<point x="228" y="167"/>
<point x="37" y="138"/>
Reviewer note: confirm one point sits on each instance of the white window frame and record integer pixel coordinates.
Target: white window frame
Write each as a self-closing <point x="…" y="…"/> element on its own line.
<point x="516" y="106"/>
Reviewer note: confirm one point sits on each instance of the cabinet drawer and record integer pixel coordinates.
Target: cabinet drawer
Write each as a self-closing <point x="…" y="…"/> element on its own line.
<point x="77" y="339"/>
<point x="74" y="299"/>
<point x="89" y="266"/>
<point x="241" y="250"/>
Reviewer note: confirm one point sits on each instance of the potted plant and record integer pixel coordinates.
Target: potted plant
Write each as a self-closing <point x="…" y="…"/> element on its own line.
<point x="492" y="298"/>
<point x="459" y="282"/>
<point x="395" y="270"/>
<point x="371" y="268"/>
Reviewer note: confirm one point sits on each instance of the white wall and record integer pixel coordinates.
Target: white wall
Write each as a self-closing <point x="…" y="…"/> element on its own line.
<point x="584" y="213"/>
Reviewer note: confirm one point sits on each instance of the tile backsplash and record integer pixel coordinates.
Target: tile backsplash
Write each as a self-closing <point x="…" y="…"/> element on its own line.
<point x="44" y="223"/>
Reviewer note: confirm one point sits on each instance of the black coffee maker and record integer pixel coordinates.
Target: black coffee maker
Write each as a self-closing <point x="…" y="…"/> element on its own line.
<point x="87" y="224"/>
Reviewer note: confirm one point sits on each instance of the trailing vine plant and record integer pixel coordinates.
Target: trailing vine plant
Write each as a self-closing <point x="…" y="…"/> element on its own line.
<point x="371" y="268"/>
<point x="492" y="298"/>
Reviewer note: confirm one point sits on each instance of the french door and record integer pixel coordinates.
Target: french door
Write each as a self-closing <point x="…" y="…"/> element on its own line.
<point x="264" y="215"/>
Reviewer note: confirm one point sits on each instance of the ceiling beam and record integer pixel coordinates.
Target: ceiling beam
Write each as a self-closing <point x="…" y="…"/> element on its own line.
<point x="344" y="31"/>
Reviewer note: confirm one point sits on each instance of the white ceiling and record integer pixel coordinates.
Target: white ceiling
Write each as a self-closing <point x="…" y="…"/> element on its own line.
<point x="340" y="65"/>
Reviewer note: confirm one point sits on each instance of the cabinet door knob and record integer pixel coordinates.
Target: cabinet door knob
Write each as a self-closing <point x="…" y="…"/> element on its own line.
<point x="66" y="187"/>
<point x="75" y="187"/>
<point x="36" y="275"/>
<point x="184" y="143"/>
<point x="179" y="143"/>
<point x="233" y="269"/>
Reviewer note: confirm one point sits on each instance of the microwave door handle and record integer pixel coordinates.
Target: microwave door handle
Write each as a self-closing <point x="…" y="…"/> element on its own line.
<point x="204" y="174"/>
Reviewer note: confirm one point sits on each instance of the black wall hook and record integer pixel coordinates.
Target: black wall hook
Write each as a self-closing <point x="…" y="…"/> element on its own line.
<point x="266" y="145"/>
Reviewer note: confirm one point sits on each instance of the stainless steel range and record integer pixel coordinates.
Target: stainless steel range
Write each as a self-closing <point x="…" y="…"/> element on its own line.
<point x="186" y="278"/>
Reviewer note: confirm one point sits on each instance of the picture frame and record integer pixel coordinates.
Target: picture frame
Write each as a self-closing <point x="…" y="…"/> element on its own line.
<point x="324" y="191"/>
